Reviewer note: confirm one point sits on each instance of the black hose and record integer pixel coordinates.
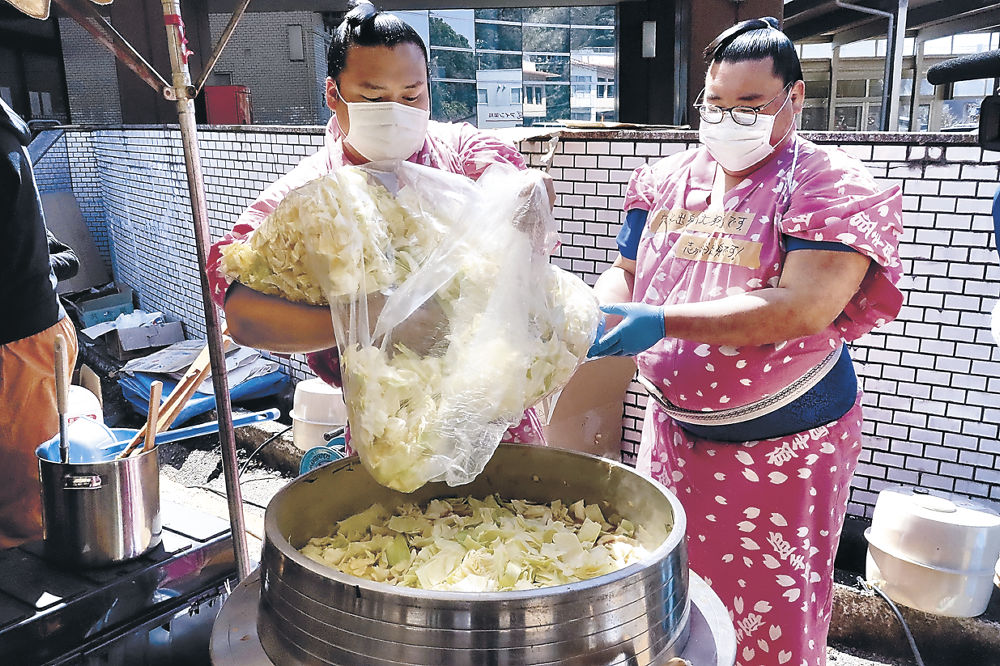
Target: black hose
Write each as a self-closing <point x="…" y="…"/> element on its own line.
<point x="899" y="616"/>
<point x="267" y="441"/>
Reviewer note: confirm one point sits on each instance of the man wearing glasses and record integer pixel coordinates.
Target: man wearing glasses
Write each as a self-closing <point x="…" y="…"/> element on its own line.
<point x="745" y="266"/>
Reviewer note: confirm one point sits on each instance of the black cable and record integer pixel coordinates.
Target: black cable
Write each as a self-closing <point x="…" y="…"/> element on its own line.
<point x="267" y="441"/>
<point x="222" y="494"/>
<point x="865" y="585"/>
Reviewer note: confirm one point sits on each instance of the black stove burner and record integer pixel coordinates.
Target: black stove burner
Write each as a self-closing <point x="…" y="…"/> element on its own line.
<point x="52" y="615"/>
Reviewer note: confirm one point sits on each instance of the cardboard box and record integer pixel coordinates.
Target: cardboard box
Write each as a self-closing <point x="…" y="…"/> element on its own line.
<point x="105" y="308"/>
<point x="136" y="341"/>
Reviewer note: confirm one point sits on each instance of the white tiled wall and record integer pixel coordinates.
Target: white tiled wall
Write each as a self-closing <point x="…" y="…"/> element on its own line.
<point x="91" y="76"/>
<point x="932" y="377"/>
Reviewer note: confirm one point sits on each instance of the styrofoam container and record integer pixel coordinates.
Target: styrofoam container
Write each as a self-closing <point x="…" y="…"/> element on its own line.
<point x="82" y="402"/>
<point x="317" y="408"/>
<point x="934" y="552"/>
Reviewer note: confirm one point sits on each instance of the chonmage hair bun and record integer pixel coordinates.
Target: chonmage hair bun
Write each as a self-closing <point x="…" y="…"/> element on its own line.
<point x="361" y="11"/>
<point x="771" y="21"/>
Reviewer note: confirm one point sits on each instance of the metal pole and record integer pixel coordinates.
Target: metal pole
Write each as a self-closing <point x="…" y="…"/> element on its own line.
<point x="888" y="88"/>
<point x="918" y="75"/>
<point x="894" y="57"/>
<point x="223" y="40"/>
<point x="184" y="92"/>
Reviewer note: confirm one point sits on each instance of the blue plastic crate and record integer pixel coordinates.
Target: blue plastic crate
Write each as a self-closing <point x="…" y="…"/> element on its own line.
<point x="106" y="308"/>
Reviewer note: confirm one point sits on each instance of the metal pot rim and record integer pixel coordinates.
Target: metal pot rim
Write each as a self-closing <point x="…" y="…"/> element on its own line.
<point x="673" y="540"/>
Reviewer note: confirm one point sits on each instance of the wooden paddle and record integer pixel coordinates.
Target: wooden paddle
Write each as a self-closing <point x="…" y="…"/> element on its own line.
<point x="154" y="412"/>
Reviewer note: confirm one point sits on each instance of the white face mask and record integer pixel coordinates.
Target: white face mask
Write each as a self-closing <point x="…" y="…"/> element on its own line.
<point x="738" y="147"/>
<point x="385" y="130"/>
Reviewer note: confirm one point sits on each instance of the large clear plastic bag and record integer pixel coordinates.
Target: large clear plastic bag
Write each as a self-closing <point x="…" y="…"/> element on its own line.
<point x="449" y="318"/>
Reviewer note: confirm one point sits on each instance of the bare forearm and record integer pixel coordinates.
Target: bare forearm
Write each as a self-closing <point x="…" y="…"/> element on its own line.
<point x="814" y="289"/>
<point x="763" y="317"/>
<point x="272" y="323"/>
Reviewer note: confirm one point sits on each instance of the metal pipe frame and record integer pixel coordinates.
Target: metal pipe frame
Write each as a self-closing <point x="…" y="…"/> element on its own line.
<point x="185" y="93"/>
<point x="889" y="113"/>
<point x="84" y="13"/>
<point x="223" y="40"/>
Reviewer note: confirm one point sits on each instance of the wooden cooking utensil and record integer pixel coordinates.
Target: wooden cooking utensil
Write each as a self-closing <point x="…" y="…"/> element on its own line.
<point x="62" y="396"/>
<point x="154" y="414"/>
<point x="178" y="398"/>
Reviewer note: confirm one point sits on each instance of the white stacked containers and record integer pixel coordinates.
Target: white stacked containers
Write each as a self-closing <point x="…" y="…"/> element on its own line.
<point x="935" y="553"/>
<point x="317" y="408"/>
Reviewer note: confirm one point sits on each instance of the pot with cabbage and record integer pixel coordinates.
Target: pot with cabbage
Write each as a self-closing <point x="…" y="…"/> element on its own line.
<point x="548" y="556"/>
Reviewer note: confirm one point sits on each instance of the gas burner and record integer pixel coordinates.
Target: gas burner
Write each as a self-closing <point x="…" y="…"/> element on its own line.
<point x="235" y="642"/>
<point x="52" y="615"/>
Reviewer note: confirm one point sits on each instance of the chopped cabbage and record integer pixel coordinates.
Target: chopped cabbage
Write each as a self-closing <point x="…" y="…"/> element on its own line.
<point x="339" y="235"/>
<point x="448" y="327"/>
<point x="471" y="545"/>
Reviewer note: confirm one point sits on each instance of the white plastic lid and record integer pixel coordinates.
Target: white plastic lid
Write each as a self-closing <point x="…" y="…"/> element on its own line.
<point x="937" y="529"/>
<point x="317" y="402"/>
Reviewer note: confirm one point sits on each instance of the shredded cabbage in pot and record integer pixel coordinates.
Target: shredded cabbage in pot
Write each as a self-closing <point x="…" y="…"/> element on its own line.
<point x="464" y="544"/>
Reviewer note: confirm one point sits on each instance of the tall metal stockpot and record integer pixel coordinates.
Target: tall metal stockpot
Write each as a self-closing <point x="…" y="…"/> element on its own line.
<point x="99" y="513"/>
<point x="314" y="614"/>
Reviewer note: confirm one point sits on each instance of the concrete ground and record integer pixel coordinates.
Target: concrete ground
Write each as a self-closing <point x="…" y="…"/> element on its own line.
<point x="192" y="474"/>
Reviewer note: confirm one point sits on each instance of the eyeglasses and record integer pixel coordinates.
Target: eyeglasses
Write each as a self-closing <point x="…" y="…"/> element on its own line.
<point x="742" y="115"/>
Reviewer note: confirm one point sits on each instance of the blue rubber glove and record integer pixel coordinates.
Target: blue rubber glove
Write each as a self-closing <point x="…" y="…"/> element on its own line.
<point x="641" y="328"/>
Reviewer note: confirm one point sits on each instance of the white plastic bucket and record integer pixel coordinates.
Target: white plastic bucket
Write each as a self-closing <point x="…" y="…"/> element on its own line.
<point x="316" y="409"/>
<point x="82" y="402"/>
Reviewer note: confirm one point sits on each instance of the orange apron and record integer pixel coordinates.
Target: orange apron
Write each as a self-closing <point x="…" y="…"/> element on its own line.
<point x="28" y="417"/>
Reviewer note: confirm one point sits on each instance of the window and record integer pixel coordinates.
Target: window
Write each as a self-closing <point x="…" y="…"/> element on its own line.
<point x="296" y="45"/>
<point x="547" y="15"/>
<point x="851" y="88"/>
<point x="605" y="87"/>
<point x="872" y="117"/>
<point x="499" y="60"/>
<point x="548" y="63"/>
<point x="591" y="38"/>
<point x="814" y="118"/>
<point x="592" y="16"/>
<point x="455" y="27"/>
<point x="448" y="64"/>
<point x="847" y="118"/>
<point x="498" y="37"/>
<point x="453" y="102"/>
<point x="499" y="15"/>
<point x="546" y="40"/>
<point x="978" y="88"/>
<point x="817" y="89"/>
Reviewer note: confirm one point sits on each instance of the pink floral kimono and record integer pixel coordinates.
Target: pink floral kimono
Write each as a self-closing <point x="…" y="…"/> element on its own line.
<point x="457" y="148"/>
<point x="764" y="516"/>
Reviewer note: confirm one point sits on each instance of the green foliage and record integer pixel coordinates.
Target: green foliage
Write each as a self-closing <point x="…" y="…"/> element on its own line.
<point x="442" y="34"/>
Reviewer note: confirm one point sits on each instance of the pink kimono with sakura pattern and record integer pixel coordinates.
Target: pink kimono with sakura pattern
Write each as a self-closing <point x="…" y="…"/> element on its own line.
<point x="764" y="517"/>
<point x="454" y="147"/>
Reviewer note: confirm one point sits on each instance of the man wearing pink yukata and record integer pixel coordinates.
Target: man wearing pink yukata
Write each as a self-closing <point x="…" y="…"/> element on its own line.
<point x="377" y="89"/>
<point x="745" y="266"/>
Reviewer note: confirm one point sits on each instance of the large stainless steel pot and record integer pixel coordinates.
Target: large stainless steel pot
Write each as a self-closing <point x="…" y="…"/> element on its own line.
<point x="95" y="514"/>
<point x="313" y="614"/>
